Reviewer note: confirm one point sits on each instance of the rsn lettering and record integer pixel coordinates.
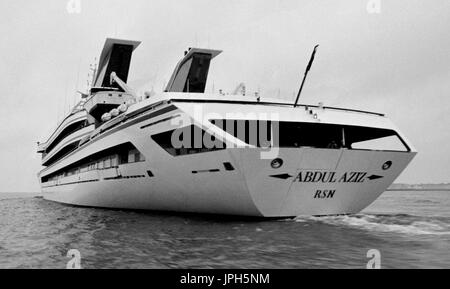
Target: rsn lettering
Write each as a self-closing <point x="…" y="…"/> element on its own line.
<point x="324" y="194"/>
<point x="330" y="177"/>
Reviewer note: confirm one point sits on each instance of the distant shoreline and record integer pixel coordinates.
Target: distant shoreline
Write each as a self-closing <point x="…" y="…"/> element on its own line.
<point x="9" y="195"/>
<point x="418" y="190"/>
<point x="419" y="187"/>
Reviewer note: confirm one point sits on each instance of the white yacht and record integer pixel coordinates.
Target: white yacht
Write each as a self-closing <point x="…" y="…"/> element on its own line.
<point x="185" y="150"/>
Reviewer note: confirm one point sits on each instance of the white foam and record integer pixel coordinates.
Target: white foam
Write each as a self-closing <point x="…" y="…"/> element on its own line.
<point x="377" y="223"/>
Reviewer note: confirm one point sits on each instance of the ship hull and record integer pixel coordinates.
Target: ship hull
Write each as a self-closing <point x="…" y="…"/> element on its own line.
<point x="239" y="154"/>
<point x="310" y="182"/>
<point x="239" y="181"/>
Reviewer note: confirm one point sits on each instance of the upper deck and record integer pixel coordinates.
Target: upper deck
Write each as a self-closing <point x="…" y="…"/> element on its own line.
<point x="76" y="116"/>
<point x="185" y="90"/>
<point x="246" y="100"/>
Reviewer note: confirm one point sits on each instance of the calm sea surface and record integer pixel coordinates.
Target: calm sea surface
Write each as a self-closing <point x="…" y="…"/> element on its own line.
<point x="410" y="229"/>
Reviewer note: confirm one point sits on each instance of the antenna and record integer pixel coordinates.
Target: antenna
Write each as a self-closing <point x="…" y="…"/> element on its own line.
<point x="78" y="73"/>
<point x="91" y="76"/>
<point x="65" y="98"/>
<point x="306" y="74"/>
<point x="93" y="69"/>
<point x="58" y="106"/>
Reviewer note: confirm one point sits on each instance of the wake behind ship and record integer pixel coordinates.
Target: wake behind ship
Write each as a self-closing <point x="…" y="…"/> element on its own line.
<point x="185" y="150"/>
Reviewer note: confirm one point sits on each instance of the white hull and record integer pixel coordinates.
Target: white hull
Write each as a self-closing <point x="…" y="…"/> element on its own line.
<point x="117" y="150"/>
<point x="200" y="183"/>
<point x="246" y="191"/>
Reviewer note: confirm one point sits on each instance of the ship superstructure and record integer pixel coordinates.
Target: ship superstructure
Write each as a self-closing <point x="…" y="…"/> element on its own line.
<point x="185" y="150"/>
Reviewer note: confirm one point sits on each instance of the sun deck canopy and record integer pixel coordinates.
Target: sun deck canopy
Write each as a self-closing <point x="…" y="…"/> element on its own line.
<point x="115" y="57"/>
<point x="191" y="73"/>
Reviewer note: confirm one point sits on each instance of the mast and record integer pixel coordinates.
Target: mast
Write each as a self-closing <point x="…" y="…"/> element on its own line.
<point x="306" y="74"/>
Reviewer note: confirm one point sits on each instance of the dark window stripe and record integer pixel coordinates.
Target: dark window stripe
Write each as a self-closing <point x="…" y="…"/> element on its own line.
<point x="125" y="125"/>
<point x="160" y="121"/>
<point x="271" y="103"/>
<point x="206" y="171"/>
<point x="228" y="166"/>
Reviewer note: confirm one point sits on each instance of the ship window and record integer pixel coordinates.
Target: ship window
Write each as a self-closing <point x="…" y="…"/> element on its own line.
<point x="67" y="131"/>
<point x="192" y="74"/>
<point x="62" y="153"/>
<point x="180" y="80"/>
<point x="188" y="140"/>
<point x="92" y="167"/>
<point x="254" y="132"/>
<point x="107" y="163"/>
<point x="123" y="159"/>
<point x="363" y="138"/>
<point x="134" y="156"/>
<point x="123" y="155"/>
<point x="293" y="134"/>
<point x="139" y="157"/>
<point x="108" y="158"/>
<point x="317" y="135"/>
<point x="131" y="157"/>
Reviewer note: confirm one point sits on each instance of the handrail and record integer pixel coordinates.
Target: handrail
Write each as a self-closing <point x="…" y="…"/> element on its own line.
<point x="271" y="103"/>
<point x="60" y="126"/>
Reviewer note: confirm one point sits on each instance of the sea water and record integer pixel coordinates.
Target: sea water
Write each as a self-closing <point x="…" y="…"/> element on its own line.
<point x="408" y="229"/>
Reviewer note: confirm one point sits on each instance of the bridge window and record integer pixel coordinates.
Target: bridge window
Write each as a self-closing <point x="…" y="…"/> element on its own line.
<point x="254" y="132"/>
<point x="364" y="138"/>
<point x="294" y="134"/>
<point x="261" y="133"/>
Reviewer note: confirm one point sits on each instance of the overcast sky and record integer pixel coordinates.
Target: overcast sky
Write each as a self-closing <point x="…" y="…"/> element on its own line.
<point x="396" y="62"/>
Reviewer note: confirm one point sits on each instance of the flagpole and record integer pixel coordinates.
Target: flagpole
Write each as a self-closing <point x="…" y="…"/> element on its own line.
<point x="306" y="74"/>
